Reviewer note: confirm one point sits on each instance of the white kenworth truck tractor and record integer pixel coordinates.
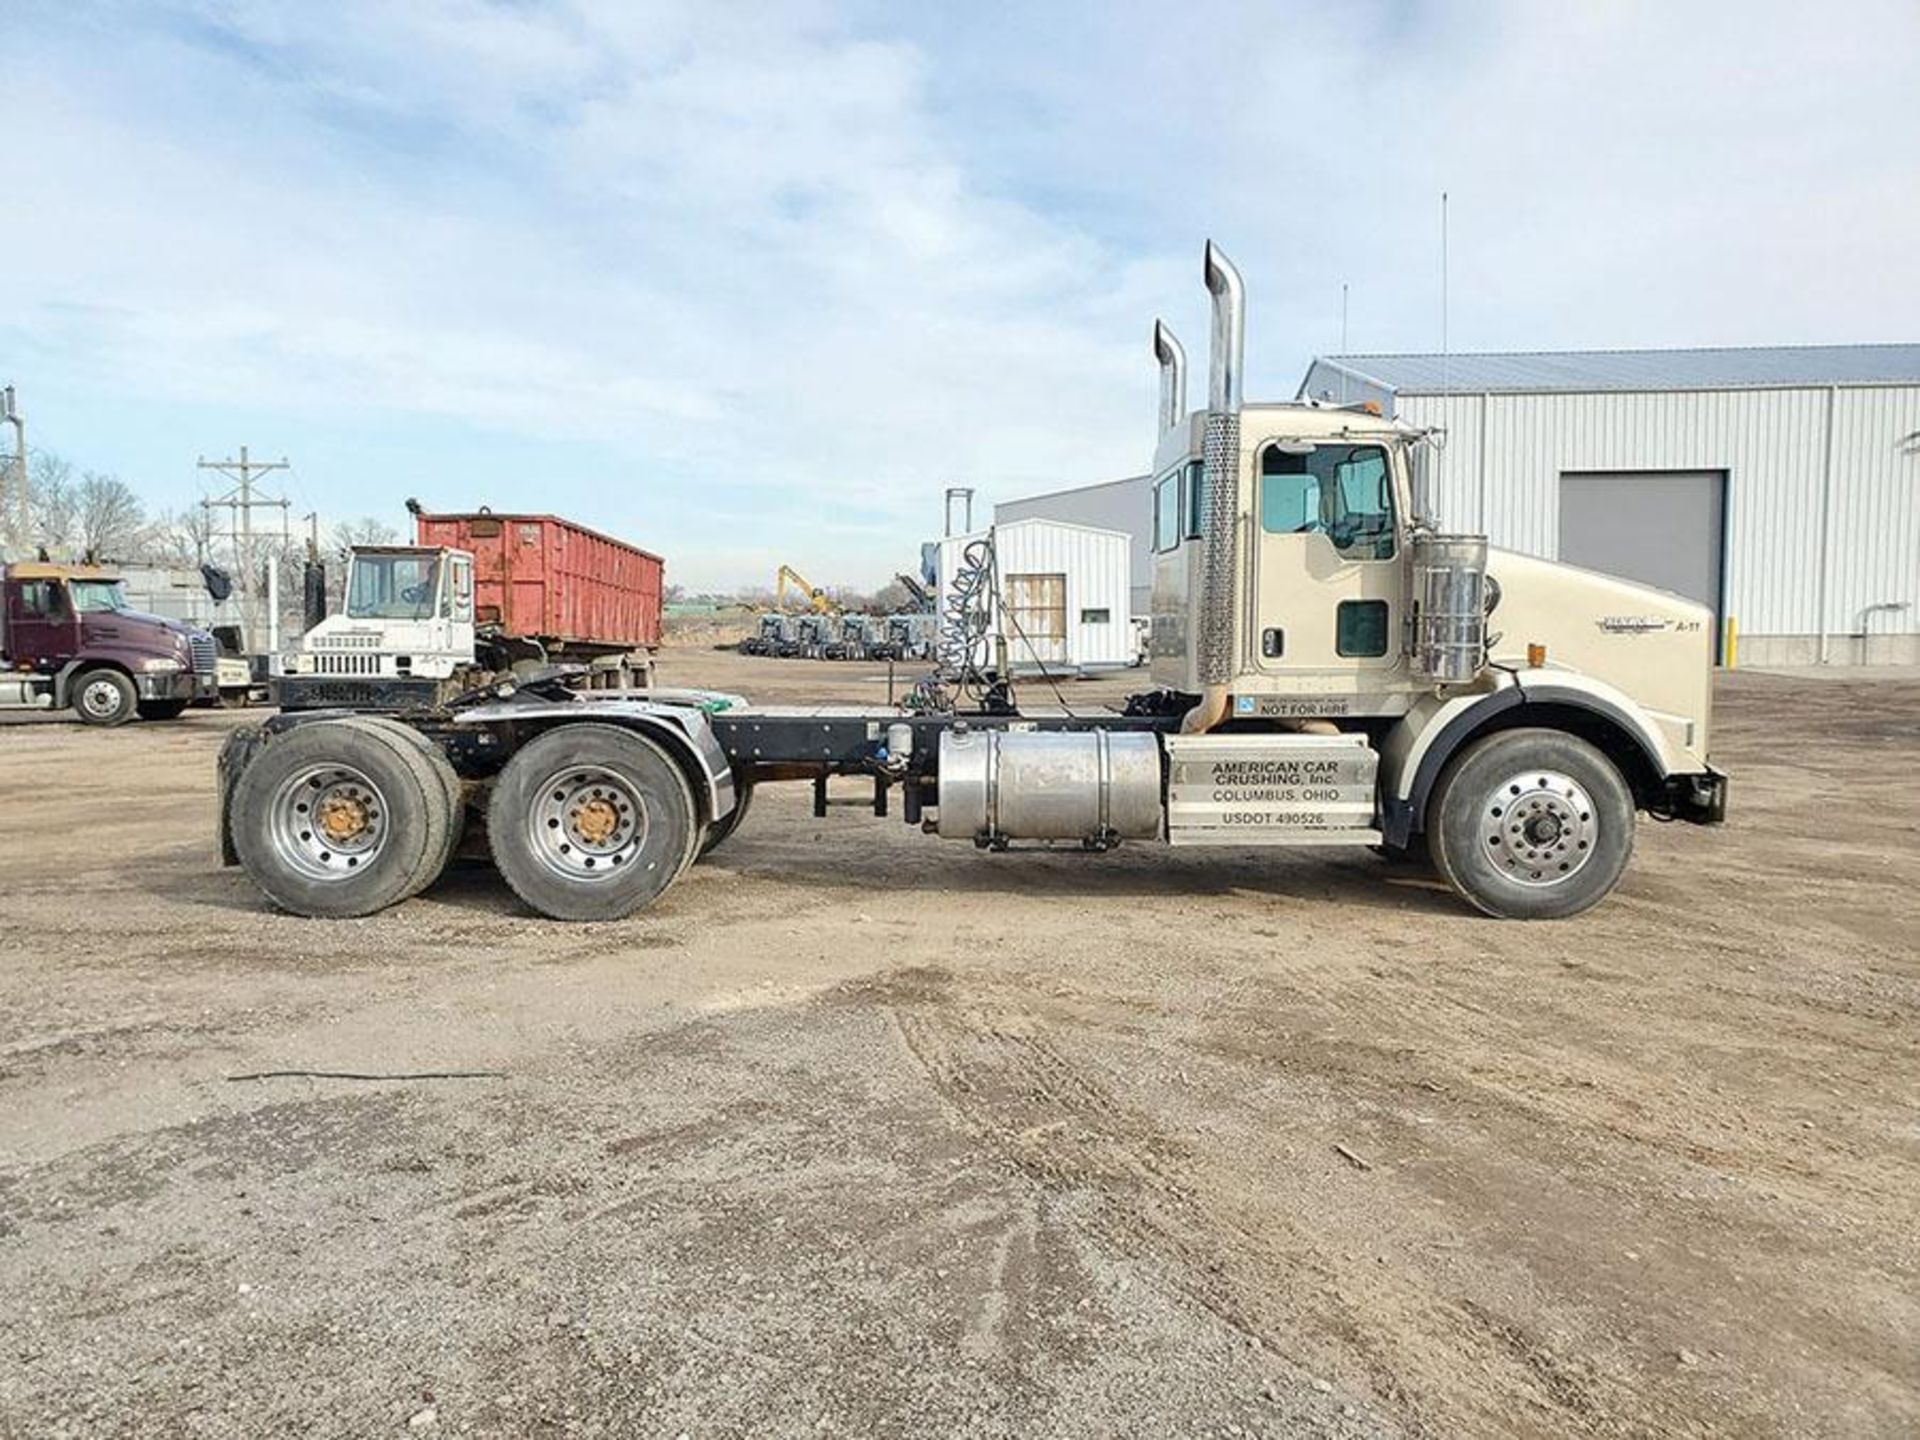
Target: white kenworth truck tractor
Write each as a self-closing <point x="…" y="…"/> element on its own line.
<point x="1334" y="671"/>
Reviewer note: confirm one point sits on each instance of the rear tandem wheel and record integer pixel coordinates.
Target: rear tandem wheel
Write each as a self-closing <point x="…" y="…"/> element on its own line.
<point x="341" y="819"/>
<point x="591" y="822"/>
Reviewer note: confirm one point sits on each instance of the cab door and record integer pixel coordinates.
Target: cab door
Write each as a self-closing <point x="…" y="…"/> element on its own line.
<point x="1327" y="589"/>
<point x="43" y="629"/>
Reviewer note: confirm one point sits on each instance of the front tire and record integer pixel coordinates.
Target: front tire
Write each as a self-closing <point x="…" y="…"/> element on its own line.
<point x="105" y="698"/>
<point x="1531" y="824"/>
<point x="162" y="709"/>
<point x="591" y="822"/>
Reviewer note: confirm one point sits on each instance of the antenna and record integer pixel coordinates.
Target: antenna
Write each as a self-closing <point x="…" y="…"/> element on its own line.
<point x="1443" y="292"/>
<point x="1343" y="317"/>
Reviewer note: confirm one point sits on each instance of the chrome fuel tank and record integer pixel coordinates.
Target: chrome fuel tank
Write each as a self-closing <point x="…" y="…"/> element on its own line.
<point x="1092" y="785"/>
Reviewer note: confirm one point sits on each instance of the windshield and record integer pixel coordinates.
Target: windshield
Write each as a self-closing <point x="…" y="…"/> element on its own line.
<point x="90" y="597"/>
<point x="393" y="587"/>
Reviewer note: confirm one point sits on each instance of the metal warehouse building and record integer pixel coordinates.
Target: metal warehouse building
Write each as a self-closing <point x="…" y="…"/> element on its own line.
<point x="1069" y="606"/>
<point x="1780" y="486"/>
<point x="1123" y="505"/>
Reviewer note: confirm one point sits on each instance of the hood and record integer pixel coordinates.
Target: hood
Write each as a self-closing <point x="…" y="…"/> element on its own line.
<point x="1651" y="644"/>
<point x="136" y="627"/>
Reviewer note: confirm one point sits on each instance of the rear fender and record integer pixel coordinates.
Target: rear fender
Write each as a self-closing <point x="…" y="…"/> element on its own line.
<point x="681" y="730"/>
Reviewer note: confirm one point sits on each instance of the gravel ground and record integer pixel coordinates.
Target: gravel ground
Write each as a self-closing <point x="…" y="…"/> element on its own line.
<point x="862" y="1133"/>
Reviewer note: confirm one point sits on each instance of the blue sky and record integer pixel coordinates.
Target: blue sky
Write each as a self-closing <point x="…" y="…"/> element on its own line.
<point x="752" y="284"/>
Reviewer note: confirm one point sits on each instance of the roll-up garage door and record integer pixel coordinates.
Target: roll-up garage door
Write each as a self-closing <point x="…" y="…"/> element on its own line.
<point x="1661" y="527"/>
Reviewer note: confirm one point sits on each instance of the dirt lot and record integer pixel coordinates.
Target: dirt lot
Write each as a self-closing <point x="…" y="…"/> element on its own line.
<point x="861" y="1133"/>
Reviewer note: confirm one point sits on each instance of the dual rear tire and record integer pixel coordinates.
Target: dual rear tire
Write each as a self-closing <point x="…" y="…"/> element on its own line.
<point x="592" y="822"/>
<point x="343" y="818"/>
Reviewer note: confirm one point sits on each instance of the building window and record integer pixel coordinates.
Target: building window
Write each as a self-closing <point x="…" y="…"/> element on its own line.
<point x="1096" y="617"/>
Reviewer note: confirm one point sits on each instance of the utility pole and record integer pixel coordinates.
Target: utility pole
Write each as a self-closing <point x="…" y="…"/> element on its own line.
<point x="241" y="502"/>
<point x="22" y="501"/>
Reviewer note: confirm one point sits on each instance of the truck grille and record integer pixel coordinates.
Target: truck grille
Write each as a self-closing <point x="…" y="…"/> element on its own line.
<point x="201" y="644"/>
<point x="346" y="664"/>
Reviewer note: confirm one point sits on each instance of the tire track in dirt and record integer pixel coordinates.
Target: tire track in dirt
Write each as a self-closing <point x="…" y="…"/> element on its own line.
<point x="1009" y="1083"/>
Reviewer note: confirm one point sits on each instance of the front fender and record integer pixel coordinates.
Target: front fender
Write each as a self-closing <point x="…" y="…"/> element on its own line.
<point x="1417" y="748"/>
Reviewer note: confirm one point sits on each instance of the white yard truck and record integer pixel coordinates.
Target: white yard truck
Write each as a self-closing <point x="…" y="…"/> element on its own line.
<point x="1334" y="670"/>
<point x="404" y="635"/>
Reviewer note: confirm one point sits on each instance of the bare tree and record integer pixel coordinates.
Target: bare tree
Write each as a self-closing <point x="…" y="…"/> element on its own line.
<point x="184" y="538"/>
<point x="364" y="531"/>
<point x="891" y="598"/>
<point x="53" y="506"/>
<point x="109" y="520"/>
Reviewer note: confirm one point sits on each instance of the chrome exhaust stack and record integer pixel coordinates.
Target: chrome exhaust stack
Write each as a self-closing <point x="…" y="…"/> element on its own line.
<point x="1226" y="363"/>
<point x="1172" y="356"/>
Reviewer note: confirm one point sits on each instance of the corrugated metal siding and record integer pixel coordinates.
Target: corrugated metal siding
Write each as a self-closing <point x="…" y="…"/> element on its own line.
<point x="1097" y="564"/>
<point x="1771" y="443"/>
<point x="1124" y="505"/>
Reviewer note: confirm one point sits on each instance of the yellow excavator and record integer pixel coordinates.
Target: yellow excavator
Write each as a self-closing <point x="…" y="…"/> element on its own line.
<point x="816" y="599"/>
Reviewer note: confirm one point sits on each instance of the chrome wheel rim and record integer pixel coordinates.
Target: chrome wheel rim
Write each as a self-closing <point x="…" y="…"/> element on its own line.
<point x="1539" y="827"/>
<point x="101" y="698"/>
<point x="328" y="822"/>
<point x="587" y="823"/>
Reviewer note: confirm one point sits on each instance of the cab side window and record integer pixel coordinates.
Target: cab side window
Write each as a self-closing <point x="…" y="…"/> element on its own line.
<point x="462" y="590"/>
<point x="1344" y="492"/>
<point x="42" y="600"/>
<point x="1196" y="499"/>
<point x="1166" y="513"/>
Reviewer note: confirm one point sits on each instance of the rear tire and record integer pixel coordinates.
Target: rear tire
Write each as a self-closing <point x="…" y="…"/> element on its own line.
<point x="338" y="820"/>
<point x="440" y="771"/>
<point x="1531" y="825"/>
<point x="591" y="822"/>
<point x="162" y="709"/>
<point x="105" y="698"/>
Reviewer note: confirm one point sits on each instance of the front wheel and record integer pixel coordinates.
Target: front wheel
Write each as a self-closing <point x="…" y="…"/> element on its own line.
<point x="104" y="697"/>
<point x="162" y="709"/>
<point x="1531" y="825"/>
<point x="591" y="822"/>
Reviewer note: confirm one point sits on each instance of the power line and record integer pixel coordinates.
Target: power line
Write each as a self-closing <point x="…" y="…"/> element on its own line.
<point x="240" y="502"/>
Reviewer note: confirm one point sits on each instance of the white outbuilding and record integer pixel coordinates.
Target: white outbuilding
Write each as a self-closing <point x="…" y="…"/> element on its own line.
<point x="1061" y="592"/>
<point x="1780" y="486"/>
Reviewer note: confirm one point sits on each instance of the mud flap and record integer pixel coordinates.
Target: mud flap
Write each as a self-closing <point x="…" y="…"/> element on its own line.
<point x="235" y="755"/>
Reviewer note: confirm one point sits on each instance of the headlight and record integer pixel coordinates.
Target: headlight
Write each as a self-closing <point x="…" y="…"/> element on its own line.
<point x="297" y="663"/>
<point x="160" y="665"/>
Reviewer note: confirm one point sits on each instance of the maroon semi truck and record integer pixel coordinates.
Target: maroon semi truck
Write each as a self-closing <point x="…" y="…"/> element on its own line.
<point x="67" y="638"/>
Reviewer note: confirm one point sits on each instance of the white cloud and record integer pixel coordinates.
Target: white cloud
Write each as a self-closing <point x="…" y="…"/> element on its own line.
<point x="795" y="269"/>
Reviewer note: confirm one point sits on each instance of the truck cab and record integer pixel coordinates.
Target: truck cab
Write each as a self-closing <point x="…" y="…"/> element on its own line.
<point x="404" y="632"/>
<point x="69" y="638"/>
